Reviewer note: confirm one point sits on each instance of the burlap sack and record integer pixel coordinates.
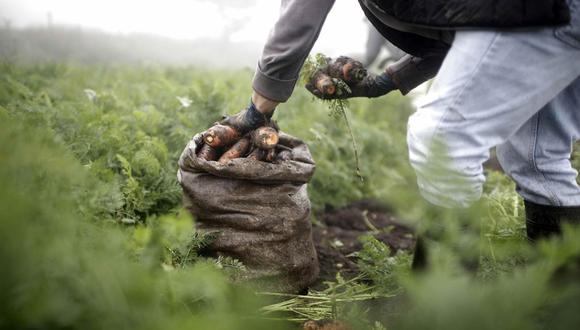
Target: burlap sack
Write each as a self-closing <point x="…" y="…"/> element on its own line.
<point x="260" y="210"/>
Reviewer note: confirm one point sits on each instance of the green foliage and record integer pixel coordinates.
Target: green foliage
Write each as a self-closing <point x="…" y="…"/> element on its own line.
<point x="93" y="234"/>
<point x="340" y="299"/>
<point x="538" y="296"/>
<point x="576" y="155"/>
<point x="311" y="65"/>
<point x="377" y="262"/>
<point x="127" y="126"/>
<point x="61" y="269"/>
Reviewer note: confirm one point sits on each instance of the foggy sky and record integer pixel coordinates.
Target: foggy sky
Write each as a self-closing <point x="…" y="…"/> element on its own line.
<point x="247" y="21"/>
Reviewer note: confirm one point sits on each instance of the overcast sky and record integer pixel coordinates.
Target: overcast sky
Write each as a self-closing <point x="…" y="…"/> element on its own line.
<point x="236" y="20"/>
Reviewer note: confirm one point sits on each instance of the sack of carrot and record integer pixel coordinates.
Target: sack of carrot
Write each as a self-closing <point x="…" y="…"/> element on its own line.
<point x="223" y="143"/>
<point x="251" y="192"/>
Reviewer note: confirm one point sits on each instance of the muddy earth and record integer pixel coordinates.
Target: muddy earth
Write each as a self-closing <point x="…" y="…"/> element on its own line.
<point x="337" y="231"/>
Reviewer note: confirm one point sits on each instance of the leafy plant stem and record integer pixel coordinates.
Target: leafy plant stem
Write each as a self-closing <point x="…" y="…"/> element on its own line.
<point x="342" y="108"/>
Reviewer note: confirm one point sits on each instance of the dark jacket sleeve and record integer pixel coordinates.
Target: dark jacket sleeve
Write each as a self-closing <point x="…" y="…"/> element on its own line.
<point x="426" y="49"/>
<point x="288" y="45"/>
<point x="411" y="71"/>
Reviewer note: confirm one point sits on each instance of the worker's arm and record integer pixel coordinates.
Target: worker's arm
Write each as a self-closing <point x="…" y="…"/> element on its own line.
<point x="289" y="44"/>
<point x="286" y="49"/>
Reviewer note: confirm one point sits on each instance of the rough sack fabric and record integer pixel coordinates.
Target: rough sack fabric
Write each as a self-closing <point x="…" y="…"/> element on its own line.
<point x="260" y="211"/>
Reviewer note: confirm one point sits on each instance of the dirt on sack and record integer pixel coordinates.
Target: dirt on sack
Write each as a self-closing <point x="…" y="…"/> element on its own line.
<point x="336" y="236"/>
<point x="244" y="200"/>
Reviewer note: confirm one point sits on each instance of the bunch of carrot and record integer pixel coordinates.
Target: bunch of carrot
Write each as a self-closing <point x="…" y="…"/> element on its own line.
<point x="343" y="68"/>
<point x="223" y="143"/>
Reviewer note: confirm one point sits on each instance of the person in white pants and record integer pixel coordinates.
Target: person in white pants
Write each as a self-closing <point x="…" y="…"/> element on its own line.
<point x="507" y="75"/>
<point x="519" y="91"/>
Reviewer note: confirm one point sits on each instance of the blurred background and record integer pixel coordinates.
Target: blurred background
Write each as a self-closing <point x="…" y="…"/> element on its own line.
<point x="218" y="33"/>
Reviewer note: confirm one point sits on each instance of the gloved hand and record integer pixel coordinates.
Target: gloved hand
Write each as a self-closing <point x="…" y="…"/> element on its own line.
<point x="247" y="119"/>
<point x="329" y="82"/>
<point x="370" y="86"/>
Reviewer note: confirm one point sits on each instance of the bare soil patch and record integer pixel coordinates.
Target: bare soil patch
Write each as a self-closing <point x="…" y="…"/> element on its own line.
<point x="336" y="236"/>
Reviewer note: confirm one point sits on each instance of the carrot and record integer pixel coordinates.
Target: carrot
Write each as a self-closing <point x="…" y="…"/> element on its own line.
<point x="208" y="153"/>
<point x="347" y="69"/>
<point x="270" y="155"/>
<point x="236" y="151"/>
<point x="220" y="136"/>
<point x="324" y="83"/>
<point x="257" y="154"/>
<point x="265" y="138"/>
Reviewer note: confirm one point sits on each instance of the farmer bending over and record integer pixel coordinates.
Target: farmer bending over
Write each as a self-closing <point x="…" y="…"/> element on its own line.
<point x="507" y="75"/>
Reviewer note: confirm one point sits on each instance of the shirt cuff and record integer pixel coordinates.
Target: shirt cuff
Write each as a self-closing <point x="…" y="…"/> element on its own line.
<point x="272" y="88"/>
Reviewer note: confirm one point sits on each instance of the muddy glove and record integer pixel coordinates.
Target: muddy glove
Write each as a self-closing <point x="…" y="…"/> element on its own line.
<point x="345" y="78"/>
<point x="247" y="119"/>
<point x="371" y="86"/>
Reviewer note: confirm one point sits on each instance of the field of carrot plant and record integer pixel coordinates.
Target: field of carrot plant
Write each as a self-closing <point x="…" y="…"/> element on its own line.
<point x="93" y="234"/>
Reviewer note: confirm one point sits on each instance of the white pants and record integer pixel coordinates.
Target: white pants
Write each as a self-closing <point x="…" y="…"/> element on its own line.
<point x="519" y="91"/>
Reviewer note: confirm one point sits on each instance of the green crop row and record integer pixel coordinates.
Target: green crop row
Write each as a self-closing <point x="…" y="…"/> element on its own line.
<point x="92" y="234"/>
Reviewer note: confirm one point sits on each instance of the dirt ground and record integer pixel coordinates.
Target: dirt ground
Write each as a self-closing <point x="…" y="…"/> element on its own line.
<point x="336" y="236"/>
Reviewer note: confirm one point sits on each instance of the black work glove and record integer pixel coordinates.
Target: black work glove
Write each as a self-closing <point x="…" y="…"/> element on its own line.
<point x="247" y="119"/>
<point x="345" y="78"/>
